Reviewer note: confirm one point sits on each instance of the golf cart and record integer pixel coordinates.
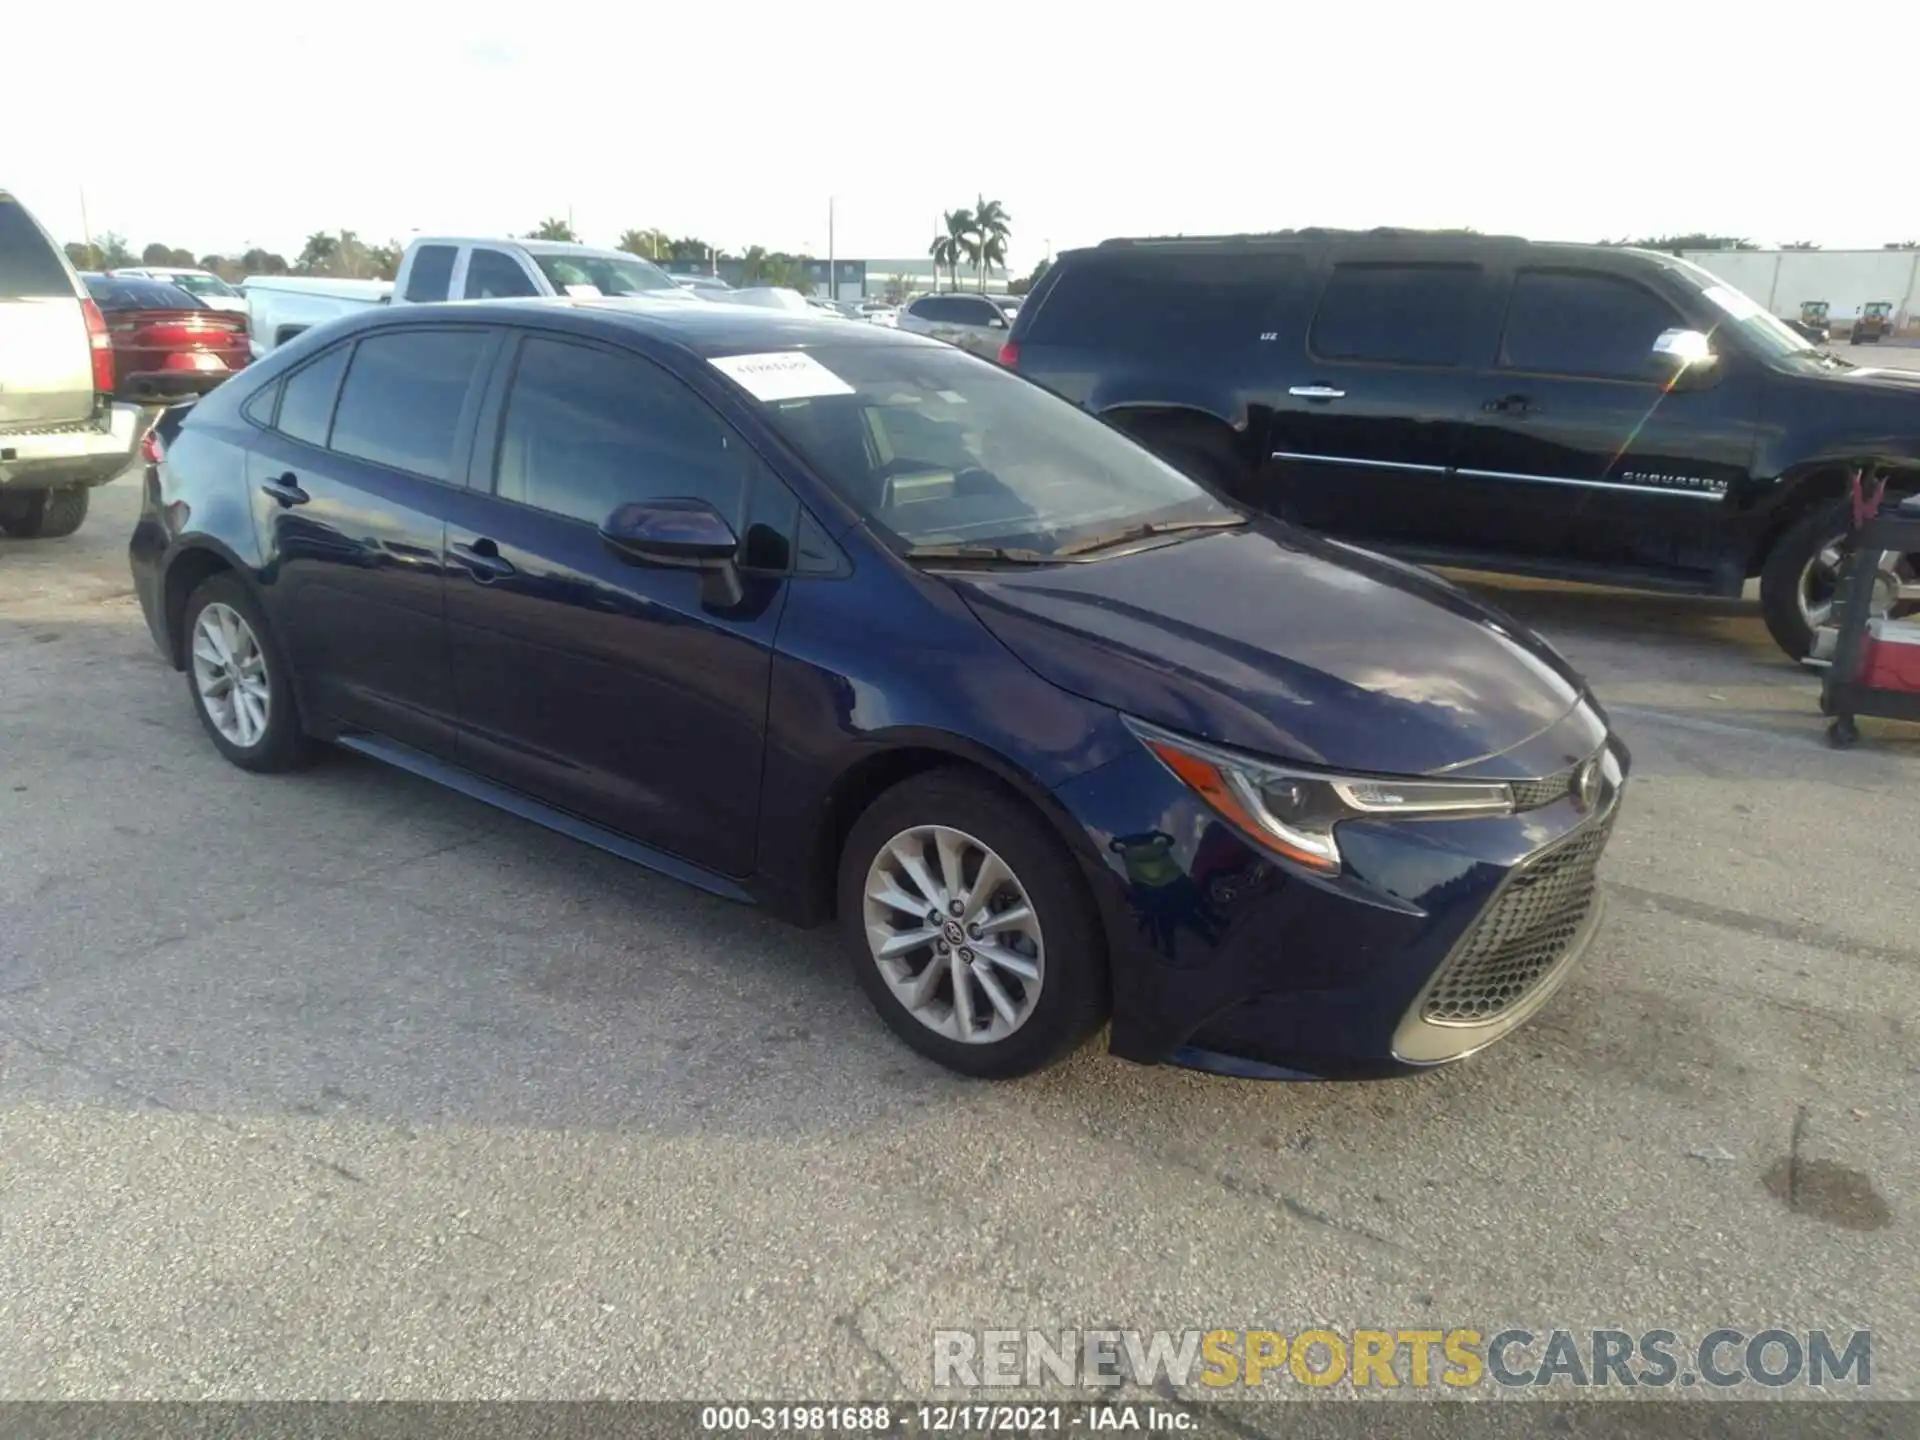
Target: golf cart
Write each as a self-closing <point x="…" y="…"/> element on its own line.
<point x="1876" y="319"/>
<point x="1812" y="324"/>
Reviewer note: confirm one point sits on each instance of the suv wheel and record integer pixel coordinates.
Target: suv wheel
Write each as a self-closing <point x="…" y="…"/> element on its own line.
<point x="969" y="928"/>
<point x="239" y="683"/>
<point x="1802" y="577"/>
<point x="44" y="514"/>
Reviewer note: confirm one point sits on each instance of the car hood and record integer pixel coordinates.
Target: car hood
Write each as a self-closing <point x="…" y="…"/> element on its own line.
<point x="1287" y="645"/>
<point x="1870" y="377"/>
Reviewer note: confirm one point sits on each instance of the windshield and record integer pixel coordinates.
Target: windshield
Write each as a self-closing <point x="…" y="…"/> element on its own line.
<point x="604" y="273"/>
<point x="1770" y="336"/>
<point x="201" y="284"/>
<point x="941" y="449"/>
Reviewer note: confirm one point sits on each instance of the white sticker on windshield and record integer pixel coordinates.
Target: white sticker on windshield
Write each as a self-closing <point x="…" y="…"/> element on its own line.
<point x="1740" y="307"/>
<point x="585" y="292"/>
<point x="953" y="397"/>
<point x="781" y="375"/>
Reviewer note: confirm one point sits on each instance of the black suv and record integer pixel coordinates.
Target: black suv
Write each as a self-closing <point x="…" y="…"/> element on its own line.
<point x="1579" y="412"/>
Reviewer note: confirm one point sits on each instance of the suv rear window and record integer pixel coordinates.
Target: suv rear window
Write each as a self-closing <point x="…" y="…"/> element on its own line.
<point x="431" y="275"/>
<point x="1396" y="314"/>
<point x="1180" y="302"/>
<point x="30" y="268"/>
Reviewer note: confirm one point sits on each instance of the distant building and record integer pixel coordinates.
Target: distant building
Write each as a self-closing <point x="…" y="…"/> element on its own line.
<point x="857" y="279"/>
<point x="1783" y="280"/>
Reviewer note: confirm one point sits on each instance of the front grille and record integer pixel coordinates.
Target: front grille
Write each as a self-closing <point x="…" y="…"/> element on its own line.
<point x="1532" y="794"/>
<point x="1521" y="935"/>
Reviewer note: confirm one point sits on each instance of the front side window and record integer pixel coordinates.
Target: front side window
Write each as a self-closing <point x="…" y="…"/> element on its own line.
<point x="493" y="276"/>
<point x="404" y="393"/>
<point x="1396" y="314"/>
<point x="941" y="449"/>
<point x="625" y="275"/>
<point x="1564" y="322"/>
<point x="307" y="396"/>
<point x="431" y="275"/>
<point x="589" y="430"/>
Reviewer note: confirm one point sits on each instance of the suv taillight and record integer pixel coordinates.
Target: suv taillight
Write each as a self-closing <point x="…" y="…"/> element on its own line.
<point x="102" y="344"/>
<point x="1010" y="354"/>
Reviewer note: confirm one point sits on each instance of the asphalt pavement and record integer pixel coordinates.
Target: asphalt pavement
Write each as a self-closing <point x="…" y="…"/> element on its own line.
<point x="339" y="1085"/>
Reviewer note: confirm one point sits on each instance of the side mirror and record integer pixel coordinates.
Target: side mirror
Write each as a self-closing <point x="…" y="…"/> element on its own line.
<point x="683" y="533"/>
<point x="1683" y="358"/>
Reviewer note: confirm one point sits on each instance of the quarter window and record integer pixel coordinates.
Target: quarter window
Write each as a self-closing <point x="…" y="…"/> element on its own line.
<point x="1396" y="314"/>
<point x="589" y="430"/>
<point x="307" y="396"/>
<point x="1564" y="322"/>
<point x="403" y="396"/>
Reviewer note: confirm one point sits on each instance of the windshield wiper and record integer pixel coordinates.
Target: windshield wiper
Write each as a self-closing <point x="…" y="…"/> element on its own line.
<point x="1147" y="531"/>
<point x="988" y="554"/>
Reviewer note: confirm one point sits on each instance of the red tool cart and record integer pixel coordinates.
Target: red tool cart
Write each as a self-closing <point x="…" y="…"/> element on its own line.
<point x="1875" y="668"/>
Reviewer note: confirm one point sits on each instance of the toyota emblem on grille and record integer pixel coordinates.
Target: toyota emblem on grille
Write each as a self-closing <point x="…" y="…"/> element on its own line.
<point x="1586" y="784"/>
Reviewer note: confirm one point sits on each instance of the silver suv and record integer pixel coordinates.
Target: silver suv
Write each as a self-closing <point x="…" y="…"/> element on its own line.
<point x="973" y="322"/>
<point x="60" y="432"/>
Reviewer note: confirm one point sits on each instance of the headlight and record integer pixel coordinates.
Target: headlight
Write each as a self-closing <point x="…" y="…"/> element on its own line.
<point x="1294" y="812"/>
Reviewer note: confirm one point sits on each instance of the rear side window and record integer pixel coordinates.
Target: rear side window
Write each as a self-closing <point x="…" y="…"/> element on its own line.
<point x="30" y="268"/>
<point x="307" y="396"/>
<point x="1565" y="322"/>
<point x="493" y="276"/>
<point x="587" y="431"/>
<point x="401" y="403"/>
<point x="432" y="273"/>
<point x="930" y="307"/>
<point x="1177" y="302"/>
<point x="1396" y="314"/>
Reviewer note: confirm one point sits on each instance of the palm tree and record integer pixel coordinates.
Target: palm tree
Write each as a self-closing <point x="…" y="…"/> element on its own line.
<point x="653" y="244"/>
<point x="948" y="248"/>
<point x="317" y="253"/>
<point x="991" y="229"/>
<point x="553" y="228"/>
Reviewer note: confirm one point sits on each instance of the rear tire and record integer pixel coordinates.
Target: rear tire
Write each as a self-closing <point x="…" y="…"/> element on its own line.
<point x="1048" y="969"/>
<point x="44" y="514"/>
<point x="239" y="681"/>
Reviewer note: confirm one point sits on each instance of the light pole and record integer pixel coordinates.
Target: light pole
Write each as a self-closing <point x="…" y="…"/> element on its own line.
<point x="833" y="279"/>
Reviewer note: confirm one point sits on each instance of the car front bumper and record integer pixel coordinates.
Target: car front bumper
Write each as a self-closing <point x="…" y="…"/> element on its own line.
<point x="1436" y="939"/>
<point x="87" y="452"/>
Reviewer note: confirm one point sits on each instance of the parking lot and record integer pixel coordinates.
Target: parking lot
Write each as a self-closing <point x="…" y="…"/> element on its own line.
<point x="343" y="1085"/>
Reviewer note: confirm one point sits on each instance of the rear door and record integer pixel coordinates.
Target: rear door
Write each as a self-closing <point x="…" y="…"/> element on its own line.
<point x="1573" y="446"/>
<point x="351" y="480"/>
<point x="1363" y="439"/>
<point x="46" y="354"/>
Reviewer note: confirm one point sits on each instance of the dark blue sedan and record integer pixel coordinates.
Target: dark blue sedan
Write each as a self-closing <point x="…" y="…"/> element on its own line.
<point x="851" y="625"/>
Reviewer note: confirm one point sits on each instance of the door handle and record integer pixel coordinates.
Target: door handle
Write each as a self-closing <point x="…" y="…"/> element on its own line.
<point x="1317" y="392"/>
<point x="483" y="559"/>
<point x="1511" y="405"/>
<point x="286" y="489"/>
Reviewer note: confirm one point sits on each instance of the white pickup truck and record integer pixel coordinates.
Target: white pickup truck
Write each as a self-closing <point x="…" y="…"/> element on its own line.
<point x="443" y="268"/>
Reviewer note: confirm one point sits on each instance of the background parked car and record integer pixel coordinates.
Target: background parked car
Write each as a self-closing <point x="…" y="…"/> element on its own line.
<point x="1578" y="412"/>
<point x="204" y="285"/>
<point x="973" y="322"/>
<point x="166" y="342"/>
<point x="707" y="287"/>
<point x="60" y="432"/>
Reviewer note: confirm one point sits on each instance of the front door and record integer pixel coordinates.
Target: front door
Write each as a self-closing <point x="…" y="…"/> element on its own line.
<point x="1363" y="435"/>
<point x="349" y="479"/>
<point x="629" y="695"/>
<point x="1574" y="448"/>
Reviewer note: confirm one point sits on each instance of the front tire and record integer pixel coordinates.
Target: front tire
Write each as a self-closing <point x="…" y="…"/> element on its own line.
<point x="969" y="928"/>
<point x="239" y="682"/>
<point x="1802" y="574"/>
<point x="44" y="514"/>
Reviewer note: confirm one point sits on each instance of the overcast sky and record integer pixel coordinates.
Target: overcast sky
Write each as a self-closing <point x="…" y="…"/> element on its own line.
<point x="215" y="126"/>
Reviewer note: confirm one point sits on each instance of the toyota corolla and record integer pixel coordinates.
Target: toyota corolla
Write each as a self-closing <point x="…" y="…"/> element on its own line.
<point x="867" y="631"/>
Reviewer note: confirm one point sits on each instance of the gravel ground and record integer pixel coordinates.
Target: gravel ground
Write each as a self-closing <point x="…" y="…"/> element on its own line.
<point x="339" y="1085"/>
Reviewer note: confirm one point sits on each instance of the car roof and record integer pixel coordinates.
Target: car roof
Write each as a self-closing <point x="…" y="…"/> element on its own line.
<point x="1384" y="237"/>
<point x="533" y="247"/>
<point x="705" y="329"/>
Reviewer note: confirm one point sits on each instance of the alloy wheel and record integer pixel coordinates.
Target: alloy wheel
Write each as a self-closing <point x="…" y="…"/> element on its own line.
<point x="1896" y="582"/>
<point x="230" y="675"/>
<point x="954" y="934"/>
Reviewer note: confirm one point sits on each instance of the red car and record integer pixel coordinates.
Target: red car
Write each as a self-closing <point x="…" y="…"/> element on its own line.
<point x="167" y="343"/>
